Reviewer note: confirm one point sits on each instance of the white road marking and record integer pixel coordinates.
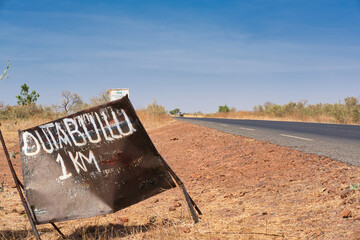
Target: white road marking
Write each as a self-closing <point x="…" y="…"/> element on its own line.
<point x="290" y="136"/>
<point x="224" y="125"/>
<point x="249" y="129"/>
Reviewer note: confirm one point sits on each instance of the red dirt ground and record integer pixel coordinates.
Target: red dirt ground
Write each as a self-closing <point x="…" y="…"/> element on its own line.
<point x="247" y="189"/>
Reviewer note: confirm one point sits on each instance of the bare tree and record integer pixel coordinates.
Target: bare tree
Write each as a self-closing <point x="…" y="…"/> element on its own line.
<point x="71" y="101"/>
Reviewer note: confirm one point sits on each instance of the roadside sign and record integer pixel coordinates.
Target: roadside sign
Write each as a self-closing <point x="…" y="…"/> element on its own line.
<point x="118" y="93"/>
<point x="93" y="162"/>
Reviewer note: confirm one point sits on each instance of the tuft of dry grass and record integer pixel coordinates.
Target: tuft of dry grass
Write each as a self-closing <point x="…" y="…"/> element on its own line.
<point x="151" y="121"/>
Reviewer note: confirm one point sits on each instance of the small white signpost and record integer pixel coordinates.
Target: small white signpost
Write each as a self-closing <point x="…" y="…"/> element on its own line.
<point x="118" y="93"/>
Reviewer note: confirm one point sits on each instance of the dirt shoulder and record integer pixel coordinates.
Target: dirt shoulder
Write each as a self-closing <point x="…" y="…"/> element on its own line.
<point x="247" y="189"/>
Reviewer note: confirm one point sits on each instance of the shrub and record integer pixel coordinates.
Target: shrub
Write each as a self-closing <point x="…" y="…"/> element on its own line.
<point x="26" y="98"/>
<point x="347" y="112"/>
<point x="155" y="109"/>
<point x="175" y="111"/>
<point x="27" y="111"/>
<point x="223" y="109"/>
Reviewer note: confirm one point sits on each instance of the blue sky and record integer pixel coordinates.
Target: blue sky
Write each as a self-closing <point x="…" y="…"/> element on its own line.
<point x="195" y="55"/>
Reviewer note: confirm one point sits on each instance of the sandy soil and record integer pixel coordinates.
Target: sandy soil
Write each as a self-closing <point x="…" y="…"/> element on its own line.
<point x="246" y="189"/>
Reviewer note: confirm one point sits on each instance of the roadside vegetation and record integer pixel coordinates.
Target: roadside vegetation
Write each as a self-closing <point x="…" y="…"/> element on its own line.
<point x="346" y="112"/>
<point x="343" y="112"/>
<point x="29" y="113"/>
<point x="153" y="115"/>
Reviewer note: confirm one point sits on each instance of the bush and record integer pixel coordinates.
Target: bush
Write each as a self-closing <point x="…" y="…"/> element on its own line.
<point x="347" y="112"/>
<point x="27" y="111"/>
<point x="175" y="111"/>
<point x="154" y="115"/>
<point x="26" y="98"/>
<point x="155" y="109"/>
<point x="223" y="109"/>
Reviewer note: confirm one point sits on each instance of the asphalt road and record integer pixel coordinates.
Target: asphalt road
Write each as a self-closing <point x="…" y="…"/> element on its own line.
<point x="337" y="141"/>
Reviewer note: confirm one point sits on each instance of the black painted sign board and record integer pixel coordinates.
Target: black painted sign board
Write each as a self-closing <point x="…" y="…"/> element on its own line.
<point x="93" y="162"/>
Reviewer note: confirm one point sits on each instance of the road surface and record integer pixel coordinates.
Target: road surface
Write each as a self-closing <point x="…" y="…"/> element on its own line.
<point x="337" y="141"/>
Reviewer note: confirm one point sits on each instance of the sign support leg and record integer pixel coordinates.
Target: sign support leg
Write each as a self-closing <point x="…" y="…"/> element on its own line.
<point x="20" y="186"/>
<point x="191" y="204"/>
<point x="17" y="182"/>
<point x="58" y="230"/>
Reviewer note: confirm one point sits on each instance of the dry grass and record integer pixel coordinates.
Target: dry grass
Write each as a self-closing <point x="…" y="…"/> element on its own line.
<point x="151" y="121"/>
<point x="346" y="112"/>
<point x="295" y="117"/>
<point x="10" y="127"/>
<point x="149" y="219"/>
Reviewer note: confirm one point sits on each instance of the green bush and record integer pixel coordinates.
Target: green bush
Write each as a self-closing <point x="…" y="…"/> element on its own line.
<point x="26" y="98"/>
<point x="223" y="109"/>
<point x="175" y="111"/>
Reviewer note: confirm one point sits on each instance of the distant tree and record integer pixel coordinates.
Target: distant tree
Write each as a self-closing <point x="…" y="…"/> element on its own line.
<point x="353" y="108"/>
<point x="223" y="109"/>
<point x="351" y="102"/>
<point x="5" y="71"/>
<point x="71" y="102"/>
<point x="258" y="108"/>
<point x="268" y="105"/>
<point x="24" y="98"/>
<point x="101" y="98"/>
<point x="301" y="103"/>
<point x="175" y="111"/>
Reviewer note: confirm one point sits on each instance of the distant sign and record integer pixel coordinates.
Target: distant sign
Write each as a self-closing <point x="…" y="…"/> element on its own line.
<point x="119" y="93"/>
<point x="94" y="162"/>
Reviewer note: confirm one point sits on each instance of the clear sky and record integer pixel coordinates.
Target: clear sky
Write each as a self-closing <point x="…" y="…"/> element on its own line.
<point x="195" y="55"/>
